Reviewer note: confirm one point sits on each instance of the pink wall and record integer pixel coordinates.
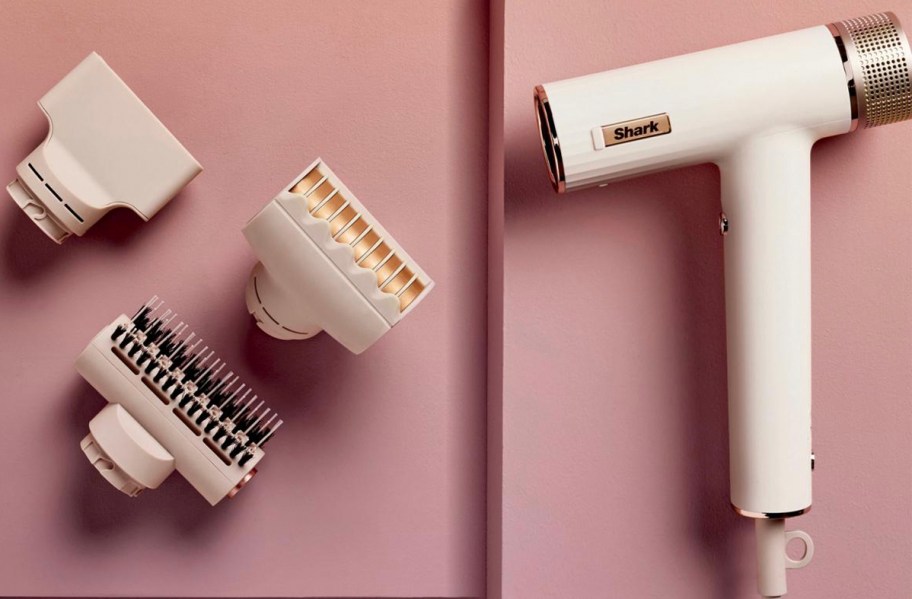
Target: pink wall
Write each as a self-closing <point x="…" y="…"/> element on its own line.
<point x="606" y="442"/>
<point x="375" y="485"/>
<point x="615" y="468"/>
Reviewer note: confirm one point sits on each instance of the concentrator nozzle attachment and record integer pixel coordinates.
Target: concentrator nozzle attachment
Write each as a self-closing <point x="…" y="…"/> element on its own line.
<point x="327" y="264"/>
<point x="878" y="65"/>
<point x="104" y="149"/>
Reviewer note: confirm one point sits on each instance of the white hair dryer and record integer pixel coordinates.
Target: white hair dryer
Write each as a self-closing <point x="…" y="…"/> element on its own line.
<point x="755" y="109"/>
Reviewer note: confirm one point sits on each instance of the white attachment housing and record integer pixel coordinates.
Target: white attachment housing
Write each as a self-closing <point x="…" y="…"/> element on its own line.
<point x="755" y="109"/>
<point x="124" y="452"/>
<point x="327" y="264"/>
<point x="105" y="149"/>
<point x="148" y="430"/>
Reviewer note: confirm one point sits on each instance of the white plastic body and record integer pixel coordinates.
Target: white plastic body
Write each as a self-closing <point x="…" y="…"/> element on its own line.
<point x="129" y="447"/>
<point x="104" y="149"/>
<point x="755" y="109"/>
<point x="307" y="282"/>
<point x="297" y="287"/>
<point x="766" y="190"/>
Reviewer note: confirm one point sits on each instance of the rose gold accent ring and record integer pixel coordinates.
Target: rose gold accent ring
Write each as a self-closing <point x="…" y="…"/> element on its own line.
<point x="549" y="141"/>
<point x="849" y="72"/>
<point x="770" y="515"/>
<point x="243" y="482"/>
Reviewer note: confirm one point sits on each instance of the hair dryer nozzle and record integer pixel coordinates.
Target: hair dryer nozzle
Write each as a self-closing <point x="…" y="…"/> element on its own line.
<point x="878" y="65"/>
<point x="104" y="150"/>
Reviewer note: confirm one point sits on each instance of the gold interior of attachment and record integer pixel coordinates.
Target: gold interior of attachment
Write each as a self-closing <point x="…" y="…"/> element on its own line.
<point x="352" y="228"/>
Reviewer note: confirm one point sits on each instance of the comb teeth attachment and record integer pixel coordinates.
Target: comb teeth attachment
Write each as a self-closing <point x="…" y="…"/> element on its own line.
<point x="352" y="227"/>
<point x="208" y="401"/>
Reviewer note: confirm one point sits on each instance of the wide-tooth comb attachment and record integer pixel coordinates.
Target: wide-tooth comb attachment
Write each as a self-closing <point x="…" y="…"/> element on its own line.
<point x="185" y="401"/>
<point x="351" y="225"/>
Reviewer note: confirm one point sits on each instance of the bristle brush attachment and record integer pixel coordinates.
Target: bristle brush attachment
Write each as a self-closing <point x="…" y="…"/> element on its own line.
<point x="173" y="406"/>
<point x="327" y="264"/>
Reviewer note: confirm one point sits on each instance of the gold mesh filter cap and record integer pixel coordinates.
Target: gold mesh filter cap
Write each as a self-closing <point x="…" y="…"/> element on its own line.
<point x="878" y="67"/>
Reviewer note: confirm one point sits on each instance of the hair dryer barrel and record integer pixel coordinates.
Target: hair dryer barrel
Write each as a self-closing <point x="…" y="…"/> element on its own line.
<point x="691" y="109"/>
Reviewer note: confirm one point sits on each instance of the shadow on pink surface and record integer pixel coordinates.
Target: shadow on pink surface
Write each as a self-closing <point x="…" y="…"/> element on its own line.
<point x="293" y="367"/>
<point x="29" y="254"/>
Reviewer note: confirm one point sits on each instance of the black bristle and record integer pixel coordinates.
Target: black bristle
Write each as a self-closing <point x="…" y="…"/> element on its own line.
<point x="153" y="329"/>
<point x="218" y="397"/>
<point x="193" y="378"/>
<point x="157" y="331"/>
<point x="264" y="431"/>
<point x="205" y="383"/>
<point x="257" y="434"/>
<point x="126" y="340"/>
<point x="230" y="409"/>
<point x="141" y="319"/>
<point x="180" y="354"/>
<point x="153" y="364"/>
<point x="244" y="421"/>
<point x="143" y="356"/>
<point x="168" y="343"/>
<point x="220" y="392"/>
<point x="193" y="369"/>
<point x="268" y="435"/>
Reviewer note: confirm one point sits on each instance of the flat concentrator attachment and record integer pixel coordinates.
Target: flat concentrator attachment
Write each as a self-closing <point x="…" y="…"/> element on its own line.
<point x="104" y="149"/>
<point x="170" y="408"/>
<point x="327" y="264"/>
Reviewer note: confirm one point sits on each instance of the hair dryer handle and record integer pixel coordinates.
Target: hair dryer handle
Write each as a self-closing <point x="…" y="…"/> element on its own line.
<point x="766" y="188"/>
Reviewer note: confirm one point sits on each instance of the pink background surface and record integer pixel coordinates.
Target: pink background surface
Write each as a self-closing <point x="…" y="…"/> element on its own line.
<point x="375" y="485"/>
<point x="608" y="450"/>
<point x="615" y="463"/>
